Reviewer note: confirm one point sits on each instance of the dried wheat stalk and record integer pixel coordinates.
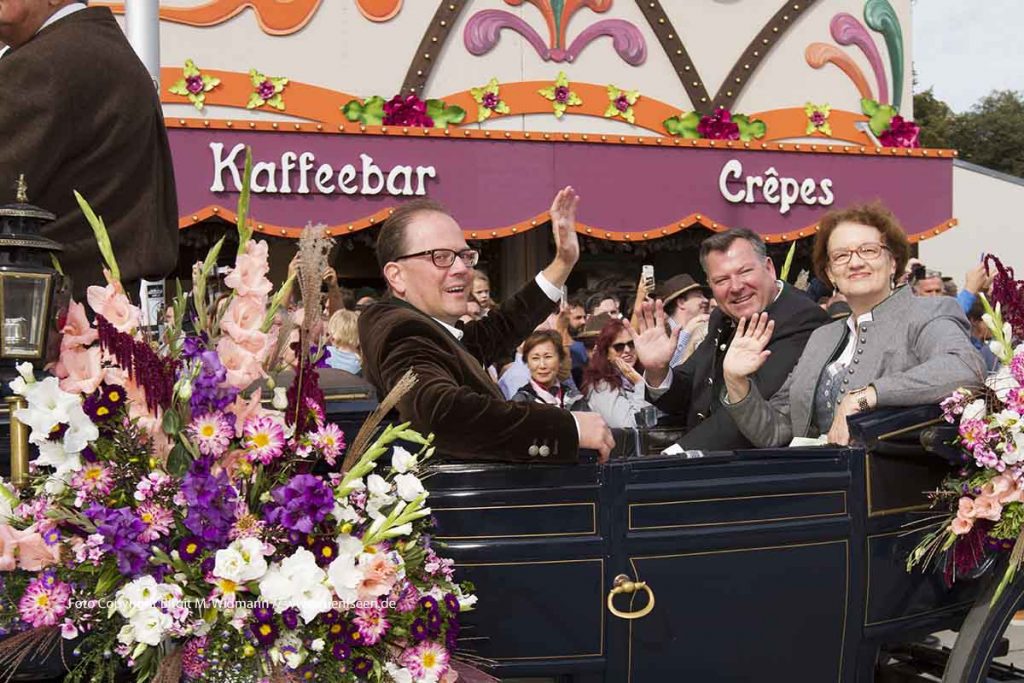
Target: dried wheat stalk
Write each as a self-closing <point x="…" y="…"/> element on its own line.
<point x="366" y="432"/>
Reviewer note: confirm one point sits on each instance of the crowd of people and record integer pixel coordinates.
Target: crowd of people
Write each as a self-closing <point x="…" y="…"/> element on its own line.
<point x="747" y="361"/>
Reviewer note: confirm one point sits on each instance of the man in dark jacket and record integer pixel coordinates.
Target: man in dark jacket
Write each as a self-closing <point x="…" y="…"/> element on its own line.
<point x="79" y="112"/>
<point x="743" y="281"/>
<point x="428" y="267"/>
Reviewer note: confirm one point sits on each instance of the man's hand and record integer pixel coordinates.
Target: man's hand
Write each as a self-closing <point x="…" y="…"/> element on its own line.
<point x="654" y="346"/>
<point x="696" y="321"/>
<point x="595" y="434"/>
<point x="746" y="354"/>
<point x="978" y="280"/>
<point x="567" y="243"/>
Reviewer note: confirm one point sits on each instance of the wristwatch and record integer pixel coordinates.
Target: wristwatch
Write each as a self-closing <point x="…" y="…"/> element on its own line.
<point x="861" y="396"/>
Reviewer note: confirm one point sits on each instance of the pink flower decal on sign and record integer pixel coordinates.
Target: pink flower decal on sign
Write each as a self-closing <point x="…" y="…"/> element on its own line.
<point x="268" y="91"/>
<point x="194" y="84"/>
<point x="901" y="133"/>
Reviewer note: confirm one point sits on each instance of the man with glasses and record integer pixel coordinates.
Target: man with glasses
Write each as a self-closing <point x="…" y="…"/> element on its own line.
<point x="429" y="267"/>
<point x="743" y="280"/>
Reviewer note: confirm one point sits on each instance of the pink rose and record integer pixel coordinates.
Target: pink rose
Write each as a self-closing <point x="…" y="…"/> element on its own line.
<point x="242" y="365"/>
<point x="112" y="304"/>
<point x="965" y="508"/>
<point x="77" y="331"/>
<point x="248" y="277"/>
<point x="986" y="507"/>
<point x="961" y="526"/>
<point x="82" y="365"/>
<point x="378" y="577"/>
<point x="242" y="321"/>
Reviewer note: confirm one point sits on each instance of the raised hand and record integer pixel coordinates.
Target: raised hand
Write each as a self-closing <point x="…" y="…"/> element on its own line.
<point x="747" y="351"/>
<point x="628" y="371"/>
<point x="654" y="346"/>
<point x="563" y="226"/>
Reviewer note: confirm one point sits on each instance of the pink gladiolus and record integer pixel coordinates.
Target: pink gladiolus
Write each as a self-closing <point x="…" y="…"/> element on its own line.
<point x="77" y="331"/>
<point x="242" y="365"/>
<point x="961" y="526"/>
<point x="28" y="547"/>
<point x="249" y="276"/>
<point x="987" y="508"/>
<point x="379" y="577"/>
<point x="84" y="373"/>
<point x="112" y="304"/>
<point x="242" y="321"/>
<point x="243" y="410"/>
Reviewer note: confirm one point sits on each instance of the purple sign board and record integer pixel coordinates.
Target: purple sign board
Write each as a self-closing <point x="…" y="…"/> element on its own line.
<point x="495" y="184"/>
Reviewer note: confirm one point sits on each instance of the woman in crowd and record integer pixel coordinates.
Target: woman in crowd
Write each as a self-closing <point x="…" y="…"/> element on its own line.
<point x="544" y="354"/>
<point x="612" y="376"/>
<point x="895" y="349"/>
<point x="343" y="353"/>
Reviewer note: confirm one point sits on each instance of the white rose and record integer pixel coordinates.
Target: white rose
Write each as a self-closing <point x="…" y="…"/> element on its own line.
<point x="138" y="596"/>
<point x="150" y="625"/>
<point x="377" y="486"/>
<point x="402" y="460"/>
<point x="409" y="487"/>
<point x="241" y="562"/>
<point x="297" y="582"/>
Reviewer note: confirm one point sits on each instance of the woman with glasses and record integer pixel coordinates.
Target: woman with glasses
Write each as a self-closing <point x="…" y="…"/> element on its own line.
<point x="613" y="379"/>
<point x="544" y="354"/>
<point x="894" y="349"/>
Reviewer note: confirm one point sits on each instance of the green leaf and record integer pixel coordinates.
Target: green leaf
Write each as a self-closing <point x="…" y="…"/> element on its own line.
<point x="56" y="264"/>
<point x="178" y="461"/>
<point x="244" y="229"/>
<point x="373" y="111"/>
<point x="353" y="110"/>
<point x="444" y="115"/>
<point x="190" y="69"/>
<point x="102" y="236"/>
<point x="881" y="119"/>
<point x="749" y="130"/>
<point x="684" y="125"/>
<point x="179" y="88"/>
<point x="254" y="101"/>
<point x="784" y="273"/>
<point x="171" y="422"/>
<point x="868" y="106"/>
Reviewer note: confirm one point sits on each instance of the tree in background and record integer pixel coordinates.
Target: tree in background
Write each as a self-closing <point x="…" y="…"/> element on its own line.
<point x="990" y="134"/>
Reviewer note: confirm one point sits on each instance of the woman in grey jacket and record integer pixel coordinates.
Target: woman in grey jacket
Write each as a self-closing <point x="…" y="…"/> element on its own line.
<point x="895" y="349"/>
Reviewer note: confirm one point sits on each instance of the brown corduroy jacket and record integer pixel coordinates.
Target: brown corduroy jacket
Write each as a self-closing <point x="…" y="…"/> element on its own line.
<point x="80" y="112"/>
<point x="455" y="398"/>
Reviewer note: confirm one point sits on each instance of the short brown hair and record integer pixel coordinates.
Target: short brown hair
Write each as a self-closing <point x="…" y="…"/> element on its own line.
<point x="723" y="240"/>
<point x="391" y="239"/>
<point x="874" y="215"/>
<point x="541" y="337"/>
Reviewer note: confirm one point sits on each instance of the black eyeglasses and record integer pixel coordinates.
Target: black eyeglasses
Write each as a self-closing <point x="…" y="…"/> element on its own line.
<point x="444" y="258"/>
<point x="621" y="346"/>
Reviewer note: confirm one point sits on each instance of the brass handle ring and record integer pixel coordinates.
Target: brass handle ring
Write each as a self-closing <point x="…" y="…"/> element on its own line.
<point x="623" y="584"/>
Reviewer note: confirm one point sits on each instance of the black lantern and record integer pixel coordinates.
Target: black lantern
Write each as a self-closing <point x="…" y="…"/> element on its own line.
<point x="28" y="283"/>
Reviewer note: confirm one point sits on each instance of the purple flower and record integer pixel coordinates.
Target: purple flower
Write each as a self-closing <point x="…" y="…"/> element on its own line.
<point x="211" y="502"/>
<point x="451" y="603"/>
<point x="265" y="89"/>
<point x="562" y="94"/>
<point x="208" y="394"/>
<point x="341" y="651"/>
<point x="451" y="636"/>
<point x="407" y="111"/>
<point x="428" y="603"/>
<point x="194" y="84"/>
<point x="418" y="630"/>
<point x="621" y="103"/>
<point x="901" y="133"/>
<point x="719" y="126"/>
<point x="818" y="119"/>
<point x="189" y="547"/>
<point x="263" y="613"/>
<point x="490" y="100"/>
<point x="265" y="633"/>
<point x="362" y="667"/>
<point x="120" y="530"/>
<point x="104" y="402"/>
<point x="434" y="623"/>
<point x="193" y="659"/>
<point x="301" y="504"/>
<point x="290" y="618"/>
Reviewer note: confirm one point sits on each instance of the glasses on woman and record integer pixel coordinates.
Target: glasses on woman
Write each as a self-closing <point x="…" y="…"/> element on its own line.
<point x="444" y="258"/>
<point x="621" y="346"/>
<point x="868" y="252"/>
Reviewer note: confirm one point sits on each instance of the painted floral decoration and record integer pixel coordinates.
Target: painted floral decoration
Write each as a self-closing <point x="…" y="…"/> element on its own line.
<point x="488" y="100"/>
<point x="407" y="110"/>
<point x="620" y="103"/>
<point x="194" y="84"/>
<point x="891" y="129"/>
<point x="817" y="119"/>
<point x="561" y="95"/>
<point x="721" y="125"/>
<point x="268" y="91"/>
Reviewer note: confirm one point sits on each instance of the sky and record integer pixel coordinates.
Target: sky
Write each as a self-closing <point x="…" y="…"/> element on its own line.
<point x="967" y="48"/>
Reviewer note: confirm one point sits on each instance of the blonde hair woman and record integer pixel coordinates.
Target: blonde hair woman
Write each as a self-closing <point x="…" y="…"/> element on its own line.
<point x="343" y="353"/>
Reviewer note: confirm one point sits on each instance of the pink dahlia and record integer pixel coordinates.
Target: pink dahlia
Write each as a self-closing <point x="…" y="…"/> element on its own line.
<point x="330" y="441"/>
<point x="45" y="601"/>
<point x="427" y="660"/>
<point x="158" y="521"/>
<point x="372" y="624"/>
<point x="263" y="439"/>
<point x="92" y="482"/>
<point x="193" y="658"/>
<point x="212" y="433"/>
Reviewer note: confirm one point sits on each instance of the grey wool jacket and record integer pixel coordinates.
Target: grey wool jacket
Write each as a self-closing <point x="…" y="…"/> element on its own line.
<point x="914" y="351"/>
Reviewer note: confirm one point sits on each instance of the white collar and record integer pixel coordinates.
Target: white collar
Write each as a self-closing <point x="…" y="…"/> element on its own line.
<point x="454" y="331"/>
<point x="863" y="318"/>
<point x="65" y="11"/>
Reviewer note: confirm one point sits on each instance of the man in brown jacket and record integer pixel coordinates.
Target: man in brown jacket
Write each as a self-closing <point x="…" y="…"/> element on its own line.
<point x="429" y="269"/>
<point x="79" y="112"/>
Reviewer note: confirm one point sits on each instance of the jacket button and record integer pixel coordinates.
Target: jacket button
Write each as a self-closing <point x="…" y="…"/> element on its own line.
<point x="863" y="340"/>
<point x="842" y="391"/>
<point x="856" y="360"/>
<point x="545" y="451"/>
<point x="846" y="381"/>
<point x="533" y="450"/>
<point x="863" y="328"/>
<point x="860" y="350"/>
<point x="851" y="371"/>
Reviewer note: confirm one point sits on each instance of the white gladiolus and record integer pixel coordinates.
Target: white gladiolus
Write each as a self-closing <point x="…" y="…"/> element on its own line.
<point x="297" y="582"/>
<point x="402" y="460"/>
<point x="409" y="487"/>
<point x="150" y="625"/>
<point x="242" y="561"/>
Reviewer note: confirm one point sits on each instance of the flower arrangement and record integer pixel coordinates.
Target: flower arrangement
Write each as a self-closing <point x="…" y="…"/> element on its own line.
<point x="407" y="110"/>
<point x="982" y="505"/>
<point x="891" y="129"/>
<point x="719" y="125"/>
<point x="177" y="527"/>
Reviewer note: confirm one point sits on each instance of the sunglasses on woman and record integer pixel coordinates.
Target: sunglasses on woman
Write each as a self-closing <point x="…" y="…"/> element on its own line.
<point x="621" y="346"/>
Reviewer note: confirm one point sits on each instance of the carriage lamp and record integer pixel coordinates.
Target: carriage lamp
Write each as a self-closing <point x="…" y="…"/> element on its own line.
<point x="28" y="286"/>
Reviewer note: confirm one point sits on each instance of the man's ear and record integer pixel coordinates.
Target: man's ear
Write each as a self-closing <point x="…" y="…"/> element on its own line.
<point x="395" y="278"/>
<point x="770" y="266"/>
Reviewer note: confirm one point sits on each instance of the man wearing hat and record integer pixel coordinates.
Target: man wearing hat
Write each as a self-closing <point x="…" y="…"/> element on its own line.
<point x="686" y="307"/>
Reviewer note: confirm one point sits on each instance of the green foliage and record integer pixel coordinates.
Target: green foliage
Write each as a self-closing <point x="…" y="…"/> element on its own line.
<point x="369" y="112"/>
<point x="444" y="115"/>
<point x="880" y="114"/>
<point x="99" y="229"/>
<point x="1010" y="523"/>
<point x="684" y="125"/>
<point x="935" y="118"/>
<point x="749" y="130"/>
